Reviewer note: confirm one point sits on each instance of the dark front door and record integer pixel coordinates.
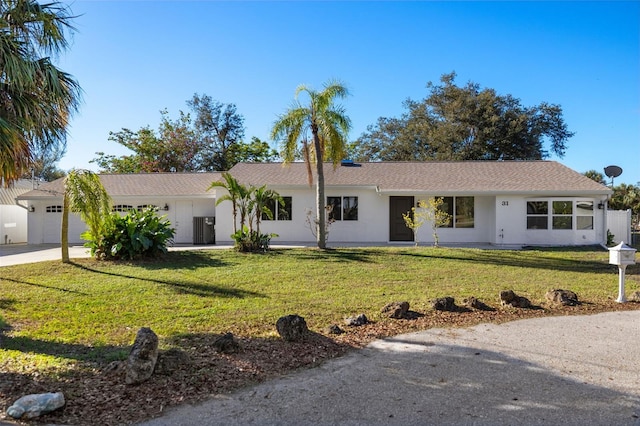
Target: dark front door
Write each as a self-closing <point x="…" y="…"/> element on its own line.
<point x="398" y="230"/>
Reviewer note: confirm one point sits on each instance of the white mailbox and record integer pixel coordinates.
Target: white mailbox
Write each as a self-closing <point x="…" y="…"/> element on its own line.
<point x="622" y="255"/>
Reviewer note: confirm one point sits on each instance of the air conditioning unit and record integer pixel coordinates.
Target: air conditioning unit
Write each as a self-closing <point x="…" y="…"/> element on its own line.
<point x="204" y="230"/>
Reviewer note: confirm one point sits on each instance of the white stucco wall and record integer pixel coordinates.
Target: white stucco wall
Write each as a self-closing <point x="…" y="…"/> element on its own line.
<point x="44" y="228"/>
<point x="481" y="232"/>
<point x="372" y="225"/>
<point x="497" y="220"/>
<point x="13" y="224"/>
<point x="511" y="224"/>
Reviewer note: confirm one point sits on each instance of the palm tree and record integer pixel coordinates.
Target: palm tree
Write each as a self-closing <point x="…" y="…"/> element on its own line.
<point x="260" y="201"/>
<point x="84" y="194"/>
<point x="36" y="98"/>
<point x="235" y="193"/>
<point x="329" y="127"/>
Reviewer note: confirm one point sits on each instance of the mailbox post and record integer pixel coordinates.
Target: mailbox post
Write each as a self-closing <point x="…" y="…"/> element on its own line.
<point x="622" y="255"/>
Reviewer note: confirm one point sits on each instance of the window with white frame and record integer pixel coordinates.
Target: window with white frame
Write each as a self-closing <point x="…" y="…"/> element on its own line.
<point x="560" y="214"/>
<point x="584" y="215"/>
<point x="343" y="208"/>
<point x="460" y="210"/>
<point x="279" y="211"/>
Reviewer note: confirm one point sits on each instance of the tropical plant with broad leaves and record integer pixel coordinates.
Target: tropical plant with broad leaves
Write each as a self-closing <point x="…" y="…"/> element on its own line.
<point x="138" y="234"/>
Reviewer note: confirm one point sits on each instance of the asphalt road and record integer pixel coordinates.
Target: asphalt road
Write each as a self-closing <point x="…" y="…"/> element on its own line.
<point x="570" y="370"/>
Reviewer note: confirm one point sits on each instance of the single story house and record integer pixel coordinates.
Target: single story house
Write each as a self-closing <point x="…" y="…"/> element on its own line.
<point x="508" y="203"/>
<point x="182" y="197"/>
<point x="491" y="202"/>
<point x="13" y="215"/>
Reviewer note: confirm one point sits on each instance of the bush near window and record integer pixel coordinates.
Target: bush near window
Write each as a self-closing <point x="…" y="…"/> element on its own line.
<point x="138" y="234"/>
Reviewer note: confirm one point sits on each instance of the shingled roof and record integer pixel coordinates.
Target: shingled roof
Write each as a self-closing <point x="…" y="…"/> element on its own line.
<point x="9" y="194"/>
<point x="190" y="185"/>
<point x="445" y="178"/>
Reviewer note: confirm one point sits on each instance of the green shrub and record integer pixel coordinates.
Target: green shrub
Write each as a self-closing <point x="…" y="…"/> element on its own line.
<point x="136" y="235"/>
<point x="247" y="241"/>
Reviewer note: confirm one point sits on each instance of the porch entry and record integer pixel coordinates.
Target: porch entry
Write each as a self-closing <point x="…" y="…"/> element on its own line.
<point x="398" y="230"/>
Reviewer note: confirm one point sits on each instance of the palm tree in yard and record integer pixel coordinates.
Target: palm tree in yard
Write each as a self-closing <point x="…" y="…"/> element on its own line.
<point x="329" y="127"/>
<point x="36" y="98"/>
<point x="235" y="193"/>
<point x="84" y="194"/>
<point x="261" y="198"/>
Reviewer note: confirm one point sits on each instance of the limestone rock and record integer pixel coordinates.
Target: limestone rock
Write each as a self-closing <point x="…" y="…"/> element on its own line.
<point x="226" y="344"/>
<point x="510" y="298"/>
<point x="635" y="297"/>
<point x="477" y="304"/>
<point x="565" y="297"/>
<point x="357" y="321"/>
<point x="292" y="328"/>
<point x="447" y="303"/>
<point x="396" y="310"/>
<point x="171" y="360"/>
<point x="35" y="405"/>
<point x="334" y="329"/>
<point x="143" y="357"/>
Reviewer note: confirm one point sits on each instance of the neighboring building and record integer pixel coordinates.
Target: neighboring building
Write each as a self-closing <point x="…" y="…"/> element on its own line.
<point x="496" y="202"/>
<point x="510" y="203"/>
<point x="182" y="197"/>
<point x="13" y="216"/>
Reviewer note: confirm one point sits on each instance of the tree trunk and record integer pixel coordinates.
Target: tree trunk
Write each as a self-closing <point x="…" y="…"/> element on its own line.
<point x="321" y="230"/>
<point x="64" y="236"/>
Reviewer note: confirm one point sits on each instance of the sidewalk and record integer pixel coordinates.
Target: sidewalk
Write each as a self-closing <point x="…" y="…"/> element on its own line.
<point x="17" y="254"/>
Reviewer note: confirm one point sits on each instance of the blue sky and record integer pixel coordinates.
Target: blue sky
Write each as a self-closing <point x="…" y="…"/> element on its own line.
<point x="135" y="58"/>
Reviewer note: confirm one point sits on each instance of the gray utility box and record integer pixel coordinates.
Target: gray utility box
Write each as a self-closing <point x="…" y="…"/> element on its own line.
<point x="204" y="231"/>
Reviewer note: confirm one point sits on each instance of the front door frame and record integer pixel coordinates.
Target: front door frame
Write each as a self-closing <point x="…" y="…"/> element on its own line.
<point x="398" y="230"/>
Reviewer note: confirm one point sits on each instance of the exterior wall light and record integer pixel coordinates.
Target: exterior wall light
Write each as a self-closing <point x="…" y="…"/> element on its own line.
<point x="32" y="208"/>
<point x="166" y="207"/>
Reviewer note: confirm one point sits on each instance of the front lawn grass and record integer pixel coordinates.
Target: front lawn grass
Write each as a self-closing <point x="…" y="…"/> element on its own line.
<point x="54" y="313"/>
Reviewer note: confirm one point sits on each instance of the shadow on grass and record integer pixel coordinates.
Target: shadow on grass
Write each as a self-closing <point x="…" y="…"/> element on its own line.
<point x="100" y="354"/>
<point x="65" y="290"/>
<point x="519" y="259"/>
<point x="329" y="254"/>
<point x="204" y="288"/>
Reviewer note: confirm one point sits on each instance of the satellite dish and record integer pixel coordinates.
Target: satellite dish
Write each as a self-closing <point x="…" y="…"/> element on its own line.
<point x="612" y="171"/>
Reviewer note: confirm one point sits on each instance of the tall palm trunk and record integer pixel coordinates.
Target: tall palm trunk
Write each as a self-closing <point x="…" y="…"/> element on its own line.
<point x="64" y="238"/>
<point x="321" y="227"/>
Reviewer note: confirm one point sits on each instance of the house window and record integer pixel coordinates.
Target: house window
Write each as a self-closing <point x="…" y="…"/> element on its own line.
<point x="122" y="208"/>
<point x="584" y="215"/>
<point x="562" y="214"/>
<point x="146" y="206"/>
<point x="342" y="208"/>
<point x="53" y="209"/>
<point x="279" y="211"/>
<point x="460" y="209"/>
<point x="537" y="214"/>
<point x="562" y="217"/>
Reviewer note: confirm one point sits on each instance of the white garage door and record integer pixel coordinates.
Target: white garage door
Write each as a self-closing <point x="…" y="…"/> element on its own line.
<point x="53" y="223"/>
